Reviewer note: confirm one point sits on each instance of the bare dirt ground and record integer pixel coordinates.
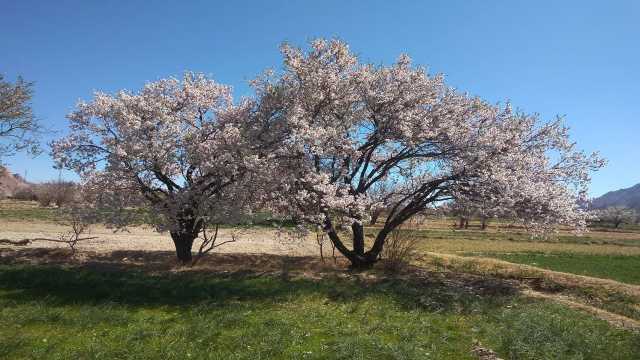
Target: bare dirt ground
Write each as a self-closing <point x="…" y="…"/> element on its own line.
<point x="256" y="240"/>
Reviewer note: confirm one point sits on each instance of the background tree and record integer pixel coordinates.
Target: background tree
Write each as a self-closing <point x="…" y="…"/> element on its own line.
<point x="347" y="126"/>
<point x="617" y="215"/>
<point x="463" y="211"/>
<point x="176" y="148"/>
<point x="18" y="126"/>
<point x="58" y="193"/>
<point x="468" y="205"/>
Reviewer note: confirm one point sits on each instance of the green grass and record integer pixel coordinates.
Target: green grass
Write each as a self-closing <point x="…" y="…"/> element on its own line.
<point x="29" y="211"/>
<point x="65" y="313"/>
<point x="613" y="298"/>
<point x="621" y="268"/>
<point x="520" y="236"/>
<point x="29" y="214"/>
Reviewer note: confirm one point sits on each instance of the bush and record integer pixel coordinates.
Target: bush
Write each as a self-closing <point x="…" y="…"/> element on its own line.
<point x="25" y="194"/>
<point x="400" y="248"/>
<point x="58" y="193"/>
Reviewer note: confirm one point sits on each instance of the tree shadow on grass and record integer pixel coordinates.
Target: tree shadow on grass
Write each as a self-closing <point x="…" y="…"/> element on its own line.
<point x="148" y="279"/>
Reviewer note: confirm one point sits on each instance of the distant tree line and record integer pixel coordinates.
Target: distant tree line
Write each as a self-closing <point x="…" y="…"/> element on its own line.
<point x="51" y="193"/>
<point x="616" y="216"/>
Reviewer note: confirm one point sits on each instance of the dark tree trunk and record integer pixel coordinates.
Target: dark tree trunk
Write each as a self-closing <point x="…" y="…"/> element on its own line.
<point x="461" y="223"/>
<point x="359" y="258"/>
<point x="358" y="238"/>
<point x="484" y="223"/>
<point x="183" y="242"/>
<point x="466" y="223"/>
<point x="188" y="229"/>
<point x="374" y="217"/>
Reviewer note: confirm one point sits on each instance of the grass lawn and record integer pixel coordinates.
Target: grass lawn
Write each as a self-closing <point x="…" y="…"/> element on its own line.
<point x="51" y="312"/>
<point x="621" y="268"/>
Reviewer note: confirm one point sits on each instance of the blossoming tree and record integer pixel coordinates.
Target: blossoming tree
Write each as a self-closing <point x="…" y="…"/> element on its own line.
<point x="616" y="215"/>
<point x="177" y="148"/>
<point x="19" y="129"/>
<point x="346" y="127"/>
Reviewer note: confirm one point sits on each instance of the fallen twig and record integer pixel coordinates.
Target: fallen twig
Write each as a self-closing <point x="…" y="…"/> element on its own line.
<point x="15" y="242"/>
<point x="24" y="242"/>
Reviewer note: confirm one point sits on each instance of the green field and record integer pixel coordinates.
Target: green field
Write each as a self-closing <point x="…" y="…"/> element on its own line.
<point x="26" y="211"/>
<point x="101" y="307"/>
<point x="62" y="313"/>
<point x="615" y="267"/>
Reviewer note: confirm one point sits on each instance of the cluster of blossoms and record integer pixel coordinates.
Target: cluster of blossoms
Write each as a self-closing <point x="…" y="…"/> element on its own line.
<point x="328" y="141"/>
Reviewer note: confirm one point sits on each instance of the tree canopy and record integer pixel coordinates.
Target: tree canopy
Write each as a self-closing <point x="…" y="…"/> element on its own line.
<point x="350" y="126"/>
<point x="18" y="125"/>
<point x="328" y="141"/>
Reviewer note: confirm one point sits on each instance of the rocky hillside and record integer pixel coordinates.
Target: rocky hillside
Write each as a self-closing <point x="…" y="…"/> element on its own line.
<point x="629" y="197"/>
<point x="10" y="183"/>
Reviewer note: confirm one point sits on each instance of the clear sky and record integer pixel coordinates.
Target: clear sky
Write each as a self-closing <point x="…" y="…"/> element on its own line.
<point x="579" y="59"/>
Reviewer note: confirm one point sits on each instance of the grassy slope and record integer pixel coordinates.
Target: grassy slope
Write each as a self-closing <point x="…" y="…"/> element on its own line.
<point x="56" y="313"/>
<point x="606" y="254"/>
<point x="617" y="298"/>
<point x="616" y="267"/>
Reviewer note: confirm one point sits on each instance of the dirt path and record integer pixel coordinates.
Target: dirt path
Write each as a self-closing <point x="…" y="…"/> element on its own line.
<point x="507" y="269"/>
<point x="547" y="284"/>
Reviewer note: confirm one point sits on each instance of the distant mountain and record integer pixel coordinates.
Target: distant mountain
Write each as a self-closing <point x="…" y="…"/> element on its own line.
<point x="10" y="183"/>
<point x="629" y="197"/>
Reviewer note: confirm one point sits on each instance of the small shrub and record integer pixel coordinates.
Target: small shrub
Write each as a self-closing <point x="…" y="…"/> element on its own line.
<point x="58" y="193"/>
<point x="400" y="248"/>
<point x="25" y="194"/>
<point x="79" y="220"/>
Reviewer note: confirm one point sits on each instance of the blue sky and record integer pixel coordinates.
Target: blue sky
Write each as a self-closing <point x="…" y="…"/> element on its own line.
<point x="579" y="59"/>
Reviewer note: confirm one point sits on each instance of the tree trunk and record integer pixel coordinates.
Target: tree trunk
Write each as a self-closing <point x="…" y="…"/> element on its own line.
<point x="183" y="242"/>
<point x="461" y="223"/>
<point x="358" y="238"/>
<point x="484" y="223"/>
<point x="374" y="217"/>
<point x="359" y="259"/>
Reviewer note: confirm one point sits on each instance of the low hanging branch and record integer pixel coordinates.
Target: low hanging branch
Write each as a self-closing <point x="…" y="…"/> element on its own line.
<point x="209" y="243"/>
